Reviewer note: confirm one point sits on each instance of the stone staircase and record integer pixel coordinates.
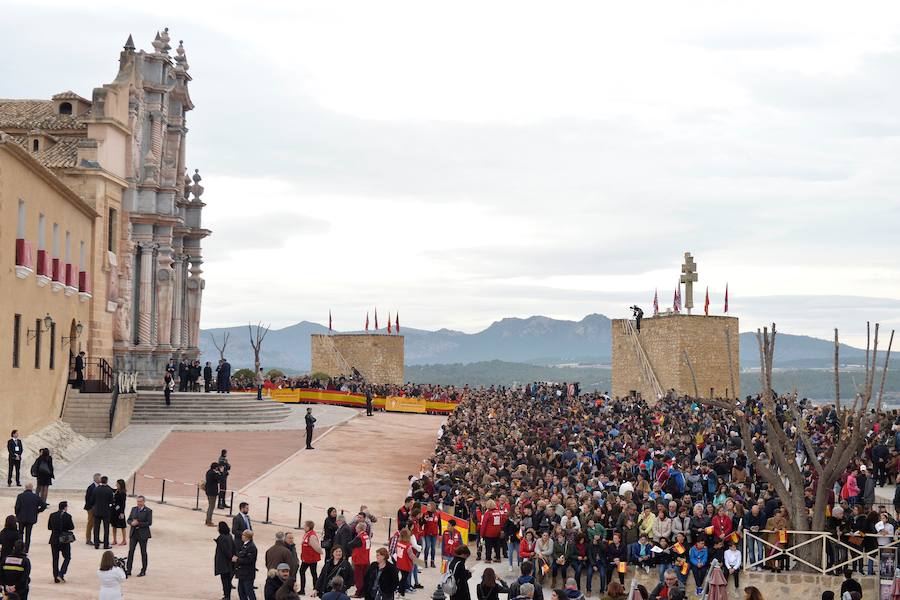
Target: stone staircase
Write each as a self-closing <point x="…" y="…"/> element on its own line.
<point x="191" y="408"/>
<point x="87" y="414"/>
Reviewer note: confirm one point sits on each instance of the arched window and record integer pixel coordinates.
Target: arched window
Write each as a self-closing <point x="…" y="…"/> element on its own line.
<point x="35" y="146"/>
<point x="65" y="108"/>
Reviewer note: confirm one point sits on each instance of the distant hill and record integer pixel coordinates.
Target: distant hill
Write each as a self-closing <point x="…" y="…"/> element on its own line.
<point x="536" y="340"/>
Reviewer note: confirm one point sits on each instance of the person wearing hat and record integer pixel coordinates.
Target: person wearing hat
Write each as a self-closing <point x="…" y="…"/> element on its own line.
<point x="62" y="534"/>
<point x="276" y="578"/>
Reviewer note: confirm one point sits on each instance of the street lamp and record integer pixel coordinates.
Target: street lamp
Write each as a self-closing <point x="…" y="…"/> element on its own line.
<point x="42" y="326"/>
<point x="69" y="339"/>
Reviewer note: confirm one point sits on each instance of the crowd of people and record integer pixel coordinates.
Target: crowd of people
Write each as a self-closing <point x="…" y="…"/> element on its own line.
<point x="574" y="491"/>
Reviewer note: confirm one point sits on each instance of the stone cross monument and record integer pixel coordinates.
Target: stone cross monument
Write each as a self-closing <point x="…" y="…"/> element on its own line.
<point x="688" y="277"/>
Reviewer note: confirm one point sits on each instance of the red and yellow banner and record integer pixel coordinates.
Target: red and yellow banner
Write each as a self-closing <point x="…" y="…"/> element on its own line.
<point x="392" y="403"/>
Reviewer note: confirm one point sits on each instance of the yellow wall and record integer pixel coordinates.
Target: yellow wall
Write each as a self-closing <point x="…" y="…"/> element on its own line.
<point x="31" y="397"/>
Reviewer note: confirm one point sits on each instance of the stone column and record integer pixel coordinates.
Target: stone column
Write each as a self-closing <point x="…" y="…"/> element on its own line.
<point x="145" y="309"/>
<point x="164" y="289"/>
<point x="195" y="285"/>
<point x="178" y="303"/>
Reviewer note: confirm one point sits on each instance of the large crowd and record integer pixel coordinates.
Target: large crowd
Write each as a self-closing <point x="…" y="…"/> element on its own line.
<point x="570" y="490"/>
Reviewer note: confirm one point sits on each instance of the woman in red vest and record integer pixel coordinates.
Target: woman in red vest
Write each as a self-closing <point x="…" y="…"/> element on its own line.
<point x="360" y="546"/>
<point x="310" y="555"/>
<point x="432" y="531"/>
<point x="403" y="558"/>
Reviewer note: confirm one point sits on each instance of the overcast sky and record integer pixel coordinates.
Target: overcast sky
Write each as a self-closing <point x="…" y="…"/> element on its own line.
<point x="467" y="161"/>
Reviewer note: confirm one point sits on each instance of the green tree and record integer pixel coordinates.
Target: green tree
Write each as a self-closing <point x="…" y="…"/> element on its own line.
<point x="274" y="373"/>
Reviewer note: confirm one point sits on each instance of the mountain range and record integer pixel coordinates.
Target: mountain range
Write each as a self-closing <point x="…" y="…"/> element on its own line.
<point x="534" y="340"/>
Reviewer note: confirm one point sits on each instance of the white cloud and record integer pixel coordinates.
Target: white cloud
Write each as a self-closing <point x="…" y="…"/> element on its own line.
<point x="470" y="161"/>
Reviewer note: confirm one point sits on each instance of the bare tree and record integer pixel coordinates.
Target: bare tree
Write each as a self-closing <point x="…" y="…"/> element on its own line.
<point x="221" y="349"/>
<point x="256" y="340"/>
<point x="843" y="443"/>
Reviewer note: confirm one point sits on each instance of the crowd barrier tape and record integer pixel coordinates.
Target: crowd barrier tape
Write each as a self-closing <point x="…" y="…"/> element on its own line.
<point x="338" y="398"/>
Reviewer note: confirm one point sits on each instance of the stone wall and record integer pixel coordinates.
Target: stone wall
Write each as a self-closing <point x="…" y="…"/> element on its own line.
<point x="378" y="357"/>
<point x="665" y="340"/>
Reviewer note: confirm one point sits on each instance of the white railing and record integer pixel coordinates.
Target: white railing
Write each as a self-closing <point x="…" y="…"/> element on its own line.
<point x="849" y="554"/>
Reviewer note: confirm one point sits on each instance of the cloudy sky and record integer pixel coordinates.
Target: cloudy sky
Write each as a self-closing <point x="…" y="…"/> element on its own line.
<point x="467" y="161"/>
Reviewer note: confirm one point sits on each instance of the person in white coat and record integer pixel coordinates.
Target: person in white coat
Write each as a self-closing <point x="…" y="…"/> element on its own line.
<point x="111" y="577"/>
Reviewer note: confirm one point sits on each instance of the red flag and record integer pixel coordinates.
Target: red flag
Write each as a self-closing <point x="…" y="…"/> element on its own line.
<point x="655" y="302"/>
<point x="329" y="320"/>
<point x="367" y="321"/>
<point x="726" y="297"/>
<point x="706" y="303"/>
<point x="389" y="322"/>
<point x="376" y="318"/>
<point x="397" y="324"/>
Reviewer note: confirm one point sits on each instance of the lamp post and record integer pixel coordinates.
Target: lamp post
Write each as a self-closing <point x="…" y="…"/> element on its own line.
<point x="42" y="326"/>
<point x="69" y="339"/>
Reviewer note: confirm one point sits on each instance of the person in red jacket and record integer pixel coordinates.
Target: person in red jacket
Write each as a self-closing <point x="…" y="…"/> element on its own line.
<point x="310" y="555"/>
<point x="403" y="559"/>
<point x="491" y="526"/>
<point x="360" y="547"/>
<point x="432" y="530"/>
<point x="450" y="541"/>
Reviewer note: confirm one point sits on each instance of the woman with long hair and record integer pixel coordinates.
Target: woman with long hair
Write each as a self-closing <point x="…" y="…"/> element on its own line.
<point x="111" y="577"/>
<point x="490" y="587"/>
<point x="752" y="592"/>
<point x="117" y="520"/>
<point x="222" y="563"/>
<point x="42" y="469"/>
<point x="8" y="536"/>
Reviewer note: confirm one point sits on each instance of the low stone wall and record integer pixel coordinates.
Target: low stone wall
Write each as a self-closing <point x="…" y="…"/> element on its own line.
<point x="124" y="410"/>
<point x="65" y="446"/>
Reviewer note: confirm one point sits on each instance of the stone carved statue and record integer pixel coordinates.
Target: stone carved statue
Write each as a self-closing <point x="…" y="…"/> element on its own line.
<point x="122" y="330"/>
<point x="197" y="189"/>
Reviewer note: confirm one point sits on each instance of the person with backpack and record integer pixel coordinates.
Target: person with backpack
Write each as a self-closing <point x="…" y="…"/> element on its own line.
<point x="455" y="582"/>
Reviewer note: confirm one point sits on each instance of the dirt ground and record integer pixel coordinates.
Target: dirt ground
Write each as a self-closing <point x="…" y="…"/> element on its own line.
<point x="364" y="461"/>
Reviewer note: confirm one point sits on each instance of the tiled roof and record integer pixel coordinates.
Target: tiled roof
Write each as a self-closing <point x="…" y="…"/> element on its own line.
<point x="63" y="153"/>
<point x="37" y="114"/>
<point x="69" y="95"/>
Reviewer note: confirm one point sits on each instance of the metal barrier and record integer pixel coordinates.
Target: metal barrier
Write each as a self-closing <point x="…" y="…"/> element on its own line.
<point x="800" y="551"/>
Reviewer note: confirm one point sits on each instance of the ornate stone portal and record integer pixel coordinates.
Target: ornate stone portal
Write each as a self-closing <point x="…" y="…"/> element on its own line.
<point x="160" y="279"/>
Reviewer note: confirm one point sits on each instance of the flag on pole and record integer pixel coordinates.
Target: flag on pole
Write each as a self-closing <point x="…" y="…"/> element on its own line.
<point x="367" y="320"/>
<point x="397" y="323"/>
<point x="376" y="318"/>
<point x="726" y="298"/>
<point x="655" y="302"/>
<point x="706" y="303"/>
<point x="389" y="322"/>
<point x="329" y="320"/>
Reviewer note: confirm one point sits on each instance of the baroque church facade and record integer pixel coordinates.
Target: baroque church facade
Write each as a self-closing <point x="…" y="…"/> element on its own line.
<point x="123" y="153"/>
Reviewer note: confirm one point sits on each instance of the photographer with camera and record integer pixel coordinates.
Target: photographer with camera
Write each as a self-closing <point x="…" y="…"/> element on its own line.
<point x="638" y="314"/>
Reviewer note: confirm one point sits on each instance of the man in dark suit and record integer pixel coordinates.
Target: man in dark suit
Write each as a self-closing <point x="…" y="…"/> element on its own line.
<point x="28" y="505"/>
<point x="103" y="500"/>
<point x="207" y="376"/>
<point x="15" y="448"/>
<point x="89" y="508"/>
<point x="310" y="424"/>
<point x="245" y="566"/>
<point x="61" y="523"/>
<point x="182" y="376"/>
<point x="211" y="484"/>
<point x="140" y="519"/>
<point x="79" y="370"/>
<point x="241" y="523"/>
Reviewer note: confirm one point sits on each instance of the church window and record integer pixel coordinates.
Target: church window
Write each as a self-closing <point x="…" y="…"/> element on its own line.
<point x="111" y="230"/>
<point x="65" y="108"/>
<point x="35" y="145"/>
